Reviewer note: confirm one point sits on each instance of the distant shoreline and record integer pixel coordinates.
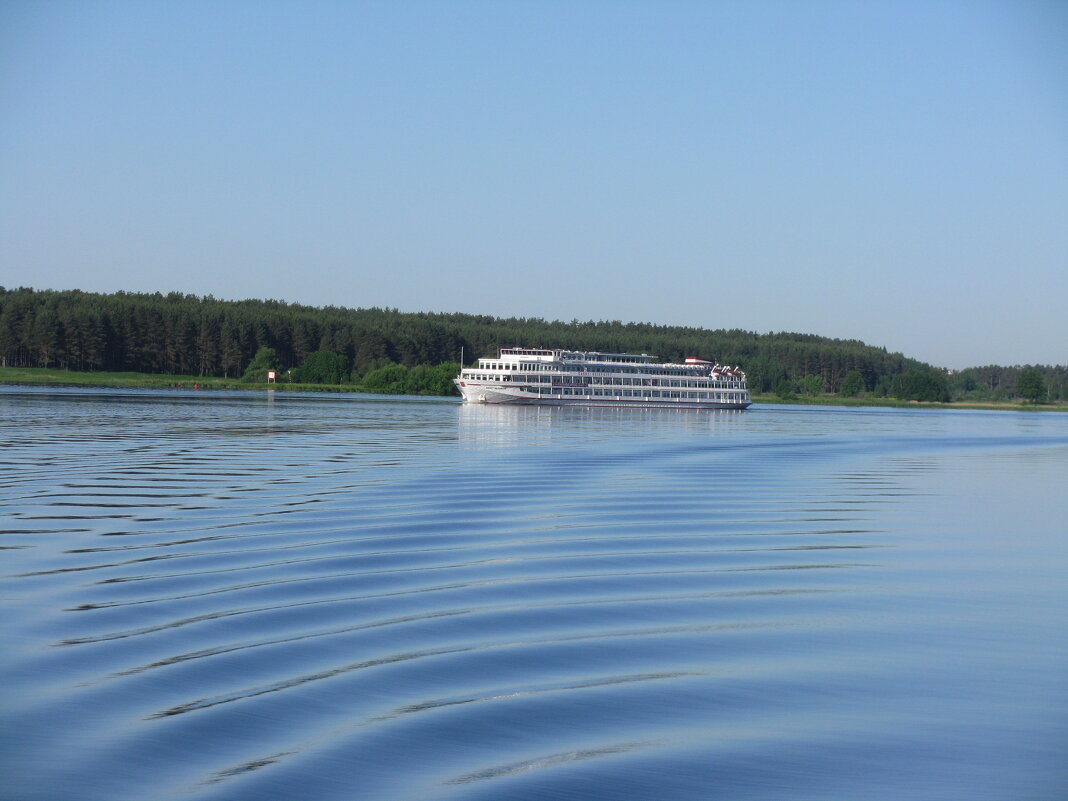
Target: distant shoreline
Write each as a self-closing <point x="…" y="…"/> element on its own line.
<point x="835" y="400"/>
<point x="42" y="376"/>
<point x="386" y="351"/>
<point x="47" y="377"/>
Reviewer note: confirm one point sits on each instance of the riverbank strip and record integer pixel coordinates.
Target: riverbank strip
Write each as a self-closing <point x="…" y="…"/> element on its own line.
<point x="43" y="376"/>
<point x="895" y="403"/>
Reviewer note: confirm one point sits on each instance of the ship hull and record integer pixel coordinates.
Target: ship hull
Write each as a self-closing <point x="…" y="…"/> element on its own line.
<point x="516" y="396"/>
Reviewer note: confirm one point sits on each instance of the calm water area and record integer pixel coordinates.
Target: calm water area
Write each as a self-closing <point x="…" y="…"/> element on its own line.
<point x="268" y="596"/>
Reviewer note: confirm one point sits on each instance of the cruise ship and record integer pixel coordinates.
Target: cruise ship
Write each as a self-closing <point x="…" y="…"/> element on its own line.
<point x="589" y="378"/>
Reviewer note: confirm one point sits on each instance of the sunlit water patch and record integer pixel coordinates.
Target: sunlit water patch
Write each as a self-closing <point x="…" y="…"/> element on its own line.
<point x="217" y="596"/>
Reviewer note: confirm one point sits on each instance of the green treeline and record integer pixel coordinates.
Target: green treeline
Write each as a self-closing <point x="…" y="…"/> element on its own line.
<point x="192" y="335"/>
<point x="1036" y="383"/>
<point x="381" y="376"/>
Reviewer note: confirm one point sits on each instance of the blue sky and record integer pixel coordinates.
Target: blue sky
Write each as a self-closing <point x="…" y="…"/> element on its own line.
<point x="894" y="172"/>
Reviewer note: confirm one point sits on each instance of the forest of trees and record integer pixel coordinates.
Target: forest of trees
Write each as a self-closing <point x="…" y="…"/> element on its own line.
<point x="994" y="383"/>
<point x="191" y="335"/>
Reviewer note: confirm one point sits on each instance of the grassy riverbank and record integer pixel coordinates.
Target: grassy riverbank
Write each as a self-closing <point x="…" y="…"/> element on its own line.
<point x="67" y="378"/>
<point x="42" y="375"/>
<point x="73" y="378"/>
<point x="836" y="400"/>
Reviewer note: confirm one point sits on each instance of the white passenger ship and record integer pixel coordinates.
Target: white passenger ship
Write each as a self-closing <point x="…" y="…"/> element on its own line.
<point x="583" y="378"/>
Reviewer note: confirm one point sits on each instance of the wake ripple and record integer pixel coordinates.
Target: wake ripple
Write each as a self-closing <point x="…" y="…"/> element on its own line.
<point x="347" y="598"/>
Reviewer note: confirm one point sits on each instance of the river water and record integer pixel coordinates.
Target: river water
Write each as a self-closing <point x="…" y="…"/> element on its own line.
<point x="230" y="596"/>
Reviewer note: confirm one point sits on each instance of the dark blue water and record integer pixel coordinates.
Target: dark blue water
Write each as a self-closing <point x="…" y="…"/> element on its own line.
<point x="221" y="596"/>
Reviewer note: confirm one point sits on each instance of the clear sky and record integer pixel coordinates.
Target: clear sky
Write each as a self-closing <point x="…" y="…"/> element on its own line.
<point x="895" y="172"/>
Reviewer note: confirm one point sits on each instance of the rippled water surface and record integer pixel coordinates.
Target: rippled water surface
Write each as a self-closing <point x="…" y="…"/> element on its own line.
<point x="220" y="596"/>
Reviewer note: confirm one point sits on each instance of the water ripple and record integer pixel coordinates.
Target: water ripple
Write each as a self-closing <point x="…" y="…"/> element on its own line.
<point x="370" y="598"/>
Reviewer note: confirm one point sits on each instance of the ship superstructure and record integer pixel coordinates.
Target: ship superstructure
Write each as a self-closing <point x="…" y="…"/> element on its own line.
<point x="592" y="378"/>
